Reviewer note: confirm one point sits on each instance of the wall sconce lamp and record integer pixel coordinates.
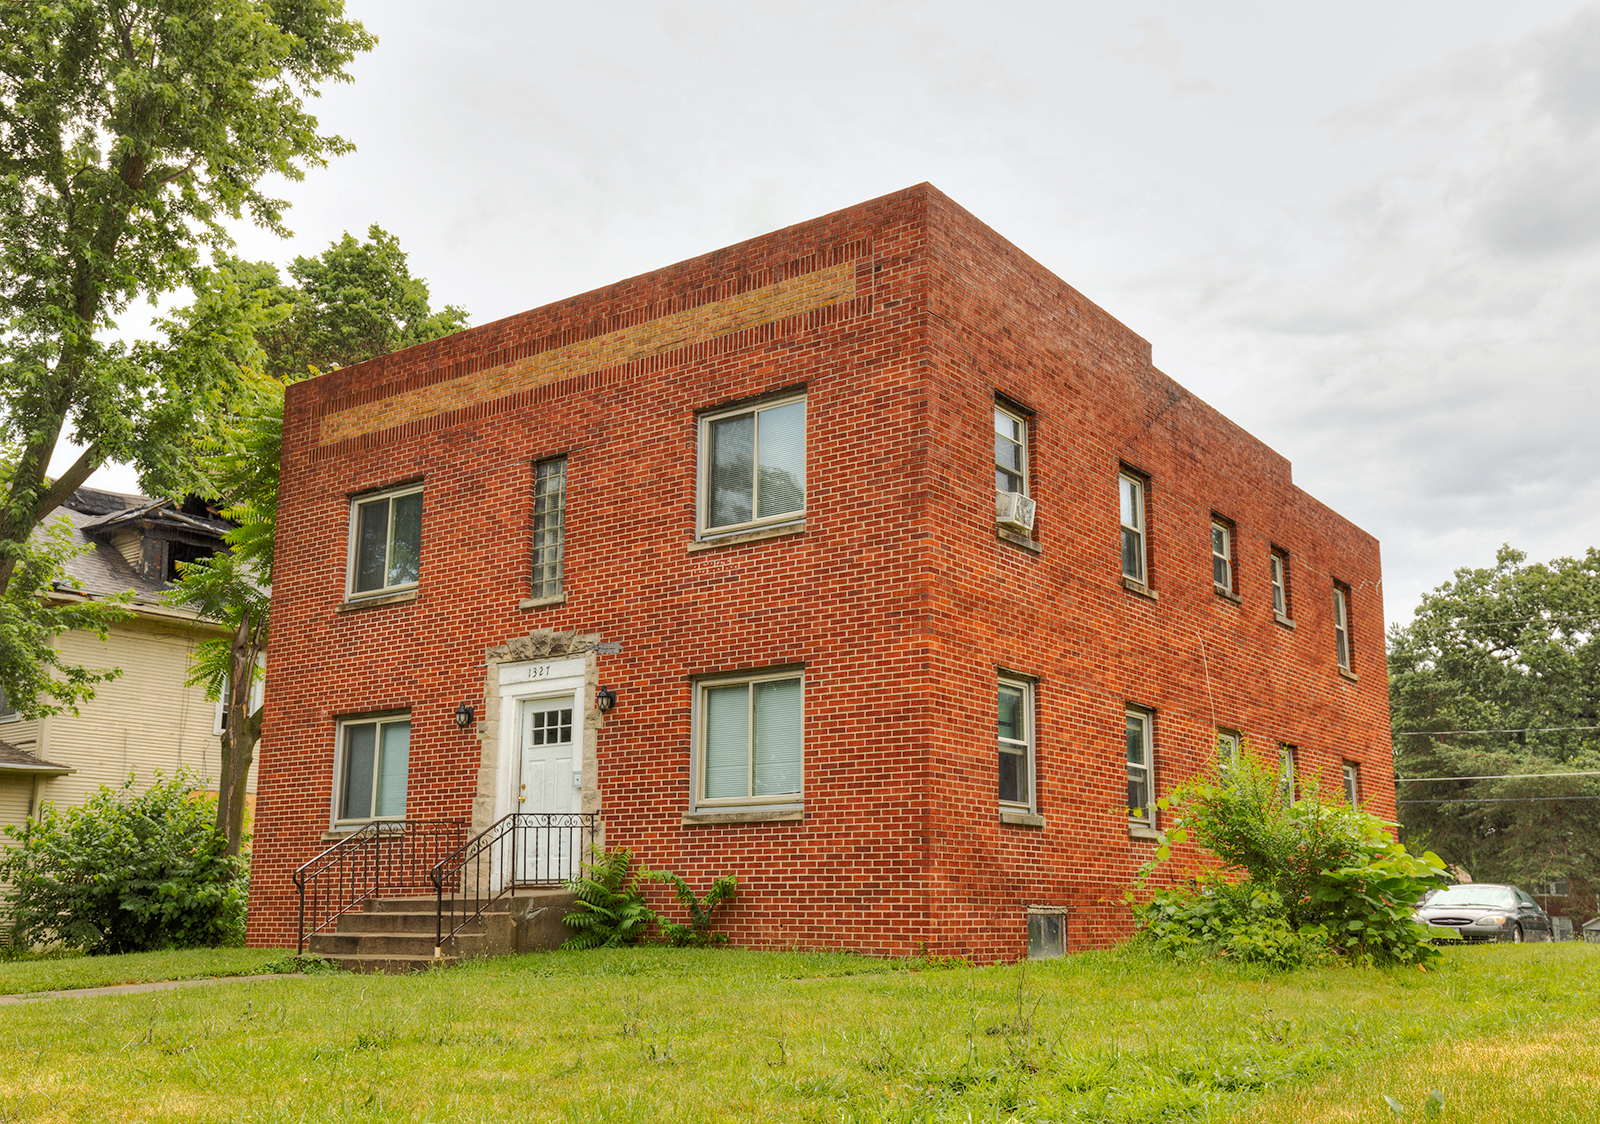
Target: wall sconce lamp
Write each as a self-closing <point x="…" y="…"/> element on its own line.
<point x="464" y="716"/>
<point x="604" y="699"/>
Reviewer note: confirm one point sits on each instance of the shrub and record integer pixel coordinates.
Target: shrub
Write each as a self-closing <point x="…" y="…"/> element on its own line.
<point x="1325" y="874"/>
<point x="698" y="932"/>
<point x="126" y="872"/>
<point x="610" y="910"/>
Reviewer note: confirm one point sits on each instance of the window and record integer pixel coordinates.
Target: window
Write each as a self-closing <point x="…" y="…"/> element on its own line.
<point x="8" y="713"/>
<point x="385" y="541"/>
<point x="1010" y="452"/>
<point x="1133" y="546"/>
<point x="1341" y="624"/>
<point x="1015" y="738"/>
<point x="1286" y="772"/>
<point x="1227" y="748"/>
<point x="549" y="518"/>
<point x="1352" y="784"/>
<point x="374" y="756"/>
<point x="1222" y="555"/>
<point x="753" y="467"/>
<point x="751" y="740"/>
<point x="1047" y="933"/>
<point x="258" y="692"/>
<point x="1141" y="768"/>
<point x="1278" y="574"/>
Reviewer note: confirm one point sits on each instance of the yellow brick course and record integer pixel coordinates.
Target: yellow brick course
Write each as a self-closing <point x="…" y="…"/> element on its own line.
<point x="818" y="289"/>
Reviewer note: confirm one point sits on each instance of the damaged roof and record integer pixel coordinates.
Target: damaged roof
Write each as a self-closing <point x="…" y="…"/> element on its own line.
<point x="96" y="516"/>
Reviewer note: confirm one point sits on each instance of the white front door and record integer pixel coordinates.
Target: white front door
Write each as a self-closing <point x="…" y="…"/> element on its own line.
<point x="549" y="785"/>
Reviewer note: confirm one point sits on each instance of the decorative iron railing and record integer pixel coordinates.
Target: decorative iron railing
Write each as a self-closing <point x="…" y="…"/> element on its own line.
<point x="523" y="849"/>
<point x="386" y="857"/>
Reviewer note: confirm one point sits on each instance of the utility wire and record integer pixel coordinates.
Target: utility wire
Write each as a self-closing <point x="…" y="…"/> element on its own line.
<point x="1507" y="730"/>
<point x="1498" y="800"/>
<point x="1499" y="777"/>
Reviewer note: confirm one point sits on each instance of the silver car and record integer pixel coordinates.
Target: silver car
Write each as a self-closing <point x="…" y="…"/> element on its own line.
<point x="1486" y="911"/>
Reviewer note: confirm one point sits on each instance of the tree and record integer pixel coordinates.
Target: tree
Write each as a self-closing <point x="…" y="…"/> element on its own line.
<point x="354" y="302"/>
<point x="1498" y="676"/>
<point x="130" y="131"/>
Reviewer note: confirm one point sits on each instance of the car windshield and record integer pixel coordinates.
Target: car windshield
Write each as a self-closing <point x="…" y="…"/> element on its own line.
<point x="1471" y="894"/>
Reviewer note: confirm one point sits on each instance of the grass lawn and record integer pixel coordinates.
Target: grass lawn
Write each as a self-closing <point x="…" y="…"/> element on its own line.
<point x="1506" y="1032"/>
<point x="57" y="973"/>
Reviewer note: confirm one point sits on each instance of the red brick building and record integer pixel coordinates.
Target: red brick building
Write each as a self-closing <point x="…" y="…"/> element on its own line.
<point x="778" y="500"/>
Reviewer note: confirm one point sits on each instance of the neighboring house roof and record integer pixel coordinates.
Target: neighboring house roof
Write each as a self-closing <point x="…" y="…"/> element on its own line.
<point x="14" y="760"/>
<point x="98" y="518"/>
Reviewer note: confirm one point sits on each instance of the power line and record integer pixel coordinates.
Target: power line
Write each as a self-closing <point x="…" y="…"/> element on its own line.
<point x="1498" y="800"/>
<point x="1499" y="777"/>
<point x="1507" y="730"/>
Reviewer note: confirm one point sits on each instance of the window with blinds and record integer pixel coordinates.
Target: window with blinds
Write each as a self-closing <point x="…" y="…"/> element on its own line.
<point x="374" y="760"/>
<point x="751" y="742"/>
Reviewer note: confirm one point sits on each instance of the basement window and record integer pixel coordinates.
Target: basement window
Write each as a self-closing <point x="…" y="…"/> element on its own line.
<point x="1047" y="934"/>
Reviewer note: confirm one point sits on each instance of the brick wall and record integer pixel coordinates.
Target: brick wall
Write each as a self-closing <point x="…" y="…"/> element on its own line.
<point x="902" y="318"/>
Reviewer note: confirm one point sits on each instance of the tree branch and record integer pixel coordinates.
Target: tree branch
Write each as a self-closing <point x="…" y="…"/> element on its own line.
<point x="70" y="481"/>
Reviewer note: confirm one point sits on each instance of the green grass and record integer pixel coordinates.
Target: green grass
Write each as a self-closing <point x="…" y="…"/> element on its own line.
<point x="59" y="973"/>
<point x="678" y="1035"/>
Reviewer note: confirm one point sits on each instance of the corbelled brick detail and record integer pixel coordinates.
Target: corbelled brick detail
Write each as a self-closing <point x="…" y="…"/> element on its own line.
<point x="898" y="598"/>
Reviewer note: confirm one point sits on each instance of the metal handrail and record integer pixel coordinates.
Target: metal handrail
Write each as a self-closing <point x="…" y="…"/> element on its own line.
<point x="385" y="856"/>
<point x="521" y="849"/>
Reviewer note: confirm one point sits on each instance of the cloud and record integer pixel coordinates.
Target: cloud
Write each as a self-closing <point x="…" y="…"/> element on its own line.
<point x="1160" y="48"/>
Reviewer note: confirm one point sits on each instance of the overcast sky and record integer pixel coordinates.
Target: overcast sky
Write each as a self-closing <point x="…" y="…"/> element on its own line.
<point x="1368" y="232"/>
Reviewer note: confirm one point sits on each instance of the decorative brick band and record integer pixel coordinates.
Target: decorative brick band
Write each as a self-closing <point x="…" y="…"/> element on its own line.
<point x="612" y="351"/>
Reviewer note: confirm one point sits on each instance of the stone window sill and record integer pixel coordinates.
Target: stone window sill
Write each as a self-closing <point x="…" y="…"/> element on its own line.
<point x="542" y="602"/>
<point x="1346" y="673"/>
<point x="757" y="535"/>
<point x="374" y="602"/>
<point x="1020" y="818"/>
<point x="1140" y="588"/>
<point x="1143" y="831"/>
<point x="1228" y="594"/>
<point x="1283" y="620"/>
<point x="748" y="815"/>
<point x="1016" y="538"/>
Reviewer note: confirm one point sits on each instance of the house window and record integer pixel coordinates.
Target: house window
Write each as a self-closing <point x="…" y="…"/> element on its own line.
<point x="1287" y="755"/>
<point x="549" y="519"/>
<point x="1015" y="738"/>
<point x="1141" y="767"/>
<point x="1222" y="555"/>
<point x="8" y="713"/>
<point x="753" y="466"/>
<point x="1341" y="624"/>
<point x="1047" y="934"/>
<point x="1279" y="576"/>
<point x="258" y="692"/>
<point x="1227" y="748"/>
<point x="1352" y="784"/>
<point x="751" y="740"/>
<point x="385" y="541"/>
<point x="1133" y="545"/>
<point x="374" y="756"/>
<point x="1010" y="452"/>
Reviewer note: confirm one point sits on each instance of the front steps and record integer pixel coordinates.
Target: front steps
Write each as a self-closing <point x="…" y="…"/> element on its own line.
<point x="397" y="934"/>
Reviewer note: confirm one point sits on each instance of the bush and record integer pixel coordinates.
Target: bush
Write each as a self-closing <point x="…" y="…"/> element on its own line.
<point x="698" y="933"/>
<point x="126" y="872"/>
<point x="1316" y="875"/>
<point x="610" y="910"/>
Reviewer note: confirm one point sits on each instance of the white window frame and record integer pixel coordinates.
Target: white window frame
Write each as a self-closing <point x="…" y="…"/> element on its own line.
<point x="258" y="693"/>
<point x="8" y="713"/>
<point x="1289" y="771"/>
<point x="1220" y="528"/>
<point x="356" y="504"/>
<point x="1139" y="527"/>
<point x="703" y="471"/>
<point x="378" y="721"/>
<point x="551" y="538"/>
<point x="1148" y="766"/>
<point x="1228" y="743"/>
<point x="1341" y="625"/>
<point x="775" y="802"/>
<point x="1352" y="783"/>
<point x="1278" y="576"/>
<point x="1024" y="748"/>
<point x="1022" y="427"/>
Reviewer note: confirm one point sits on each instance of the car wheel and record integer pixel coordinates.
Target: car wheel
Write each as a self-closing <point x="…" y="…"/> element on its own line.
<point x="1516" y="934"/>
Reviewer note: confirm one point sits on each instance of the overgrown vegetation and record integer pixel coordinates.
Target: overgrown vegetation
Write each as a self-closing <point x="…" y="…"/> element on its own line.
<point x="698" y="933"/>
<point x="1318" y="878"/>
<point x="611" y="910"/>
<point x="127" y="871"/>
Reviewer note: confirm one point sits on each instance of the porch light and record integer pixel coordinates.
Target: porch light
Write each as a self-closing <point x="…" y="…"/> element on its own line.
<point x="463" y="716"/>
<point x="604" y="699"/>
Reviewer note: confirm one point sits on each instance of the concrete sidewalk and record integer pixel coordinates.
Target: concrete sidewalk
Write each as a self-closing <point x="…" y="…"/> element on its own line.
<point x="139" y="988"/>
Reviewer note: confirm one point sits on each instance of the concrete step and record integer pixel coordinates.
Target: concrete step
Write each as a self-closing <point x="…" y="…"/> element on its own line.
<point x="389" y="965"/>
<point x="405" y="922"/>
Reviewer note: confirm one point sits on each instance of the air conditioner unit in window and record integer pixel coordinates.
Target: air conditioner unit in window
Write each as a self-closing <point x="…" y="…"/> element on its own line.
<point x="1015" y="510"/>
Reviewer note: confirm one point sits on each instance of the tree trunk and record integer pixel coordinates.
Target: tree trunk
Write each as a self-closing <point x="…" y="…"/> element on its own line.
<point x="243" y="730"/>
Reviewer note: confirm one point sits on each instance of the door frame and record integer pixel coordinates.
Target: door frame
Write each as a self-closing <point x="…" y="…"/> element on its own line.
<point x="534" y="679"/>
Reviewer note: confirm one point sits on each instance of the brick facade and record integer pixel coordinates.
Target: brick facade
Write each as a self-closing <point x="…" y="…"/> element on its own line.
<point x="903" y="320"/>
